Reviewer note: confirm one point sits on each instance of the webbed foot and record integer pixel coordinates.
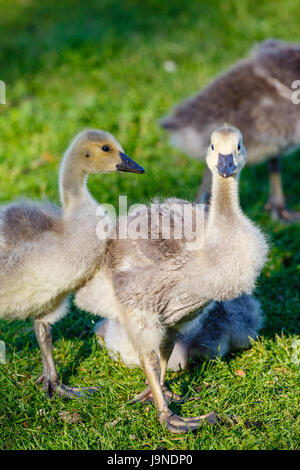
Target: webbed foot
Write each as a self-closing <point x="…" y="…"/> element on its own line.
<point x="54" y="387"/>
<point x="147" y="397"/>
<point x="179" y="425"/>
<point x="282" y="213"/>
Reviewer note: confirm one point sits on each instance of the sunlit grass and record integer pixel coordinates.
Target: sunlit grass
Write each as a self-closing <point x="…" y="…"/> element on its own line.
<point x="70" y="65"/>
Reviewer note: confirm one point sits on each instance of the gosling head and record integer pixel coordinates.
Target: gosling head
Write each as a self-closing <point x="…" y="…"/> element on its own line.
<point x="97" y="151"/>
<point x="226" y="154"/>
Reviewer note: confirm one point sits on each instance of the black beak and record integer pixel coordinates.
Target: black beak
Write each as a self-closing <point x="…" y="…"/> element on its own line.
<point x="129" y="165"/>
<point x="226" y="165"/>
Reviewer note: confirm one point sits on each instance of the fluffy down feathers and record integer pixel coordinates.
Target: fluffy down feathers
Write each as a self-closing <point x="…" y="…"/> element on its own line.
<point x="222" y="328"/>
<point x="254" y="95"/>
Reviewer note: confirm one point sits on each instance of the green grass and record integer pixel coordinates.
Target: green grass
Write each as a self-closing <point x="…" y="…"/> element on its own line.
<point x="70" y="65"/>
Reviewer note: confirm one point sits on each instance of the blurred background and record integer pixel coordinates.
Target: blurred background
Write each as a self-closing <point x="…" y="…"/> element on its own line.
<point x="120" y="66"/>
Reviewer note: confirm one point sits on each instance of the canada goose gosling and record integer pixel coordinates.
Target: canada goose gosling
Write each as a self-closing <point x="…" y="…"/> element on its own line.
<point x="153" y="286"/>
<point x="45" y="253"/>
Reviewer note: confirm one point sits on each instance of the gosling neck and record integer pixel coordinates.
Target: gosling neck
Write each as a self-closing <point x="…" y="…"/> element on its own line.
<point x="72" y="182"/>
<point x="224" y="206"/>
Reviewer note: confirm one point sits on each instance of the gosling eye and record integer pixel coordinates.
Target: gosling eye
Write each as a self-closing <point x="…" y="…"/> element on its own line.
<point x="212" y="147"/>
<point x="239" y="147"/>
<point x="106" y="148"/>
<point x="87" y="154"/>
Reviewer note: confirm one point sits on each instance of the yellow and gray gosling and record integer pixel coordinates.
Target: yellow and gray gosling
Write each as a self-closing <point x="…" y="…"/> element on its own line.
<point x="47" y="251"/>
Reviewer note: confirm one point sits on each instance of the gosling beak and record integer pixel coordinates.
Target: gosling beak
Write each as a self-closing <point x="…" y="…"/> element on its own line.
<point x="226" y="165"/>
<point x="129" y="165"/>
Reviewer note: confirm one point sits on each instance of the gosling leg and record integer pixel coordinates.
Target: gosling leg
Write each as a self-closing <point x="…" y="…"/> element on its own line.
<point x="165" y="353"/>
<point x="175" y="424"/>
<point x="49" y="378"/>
<point x="146" y="396"/>
<point x="276" y="203"/>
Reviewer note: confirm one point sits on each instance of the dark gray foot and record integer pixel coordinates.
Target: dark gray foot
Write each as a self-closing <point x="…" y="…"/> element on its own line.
<point x="282" y="213"/>
<point x="178" y="425"/>
<point x="147" y="397"/>
<point x="54" y="387"/>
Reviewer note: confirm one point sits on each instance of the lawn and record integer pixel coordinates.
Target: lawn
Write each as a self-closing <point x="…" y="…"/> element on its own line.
<point x="72" y="64"/>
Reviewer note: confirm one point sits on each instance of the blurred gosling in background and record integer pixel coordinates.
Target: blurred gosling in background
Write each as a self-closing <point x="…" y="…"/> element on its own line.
<point x="256" y="96"/>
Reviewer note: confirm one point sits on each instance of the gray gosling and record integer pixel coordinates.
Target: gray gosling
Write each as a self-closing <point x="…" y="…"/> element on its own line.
<point x="223" y="327"/>
<point x="152" y="286"/>
<point x="256" y="96"/>
<point x="47" y="251"/>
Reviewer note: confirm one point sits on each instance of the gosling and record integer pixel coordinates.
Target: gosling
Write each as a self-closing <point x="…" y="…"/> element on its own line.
<point x="154" y="285"/>
<point x="47" y="251"/>
<point x="256" y="95"/>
